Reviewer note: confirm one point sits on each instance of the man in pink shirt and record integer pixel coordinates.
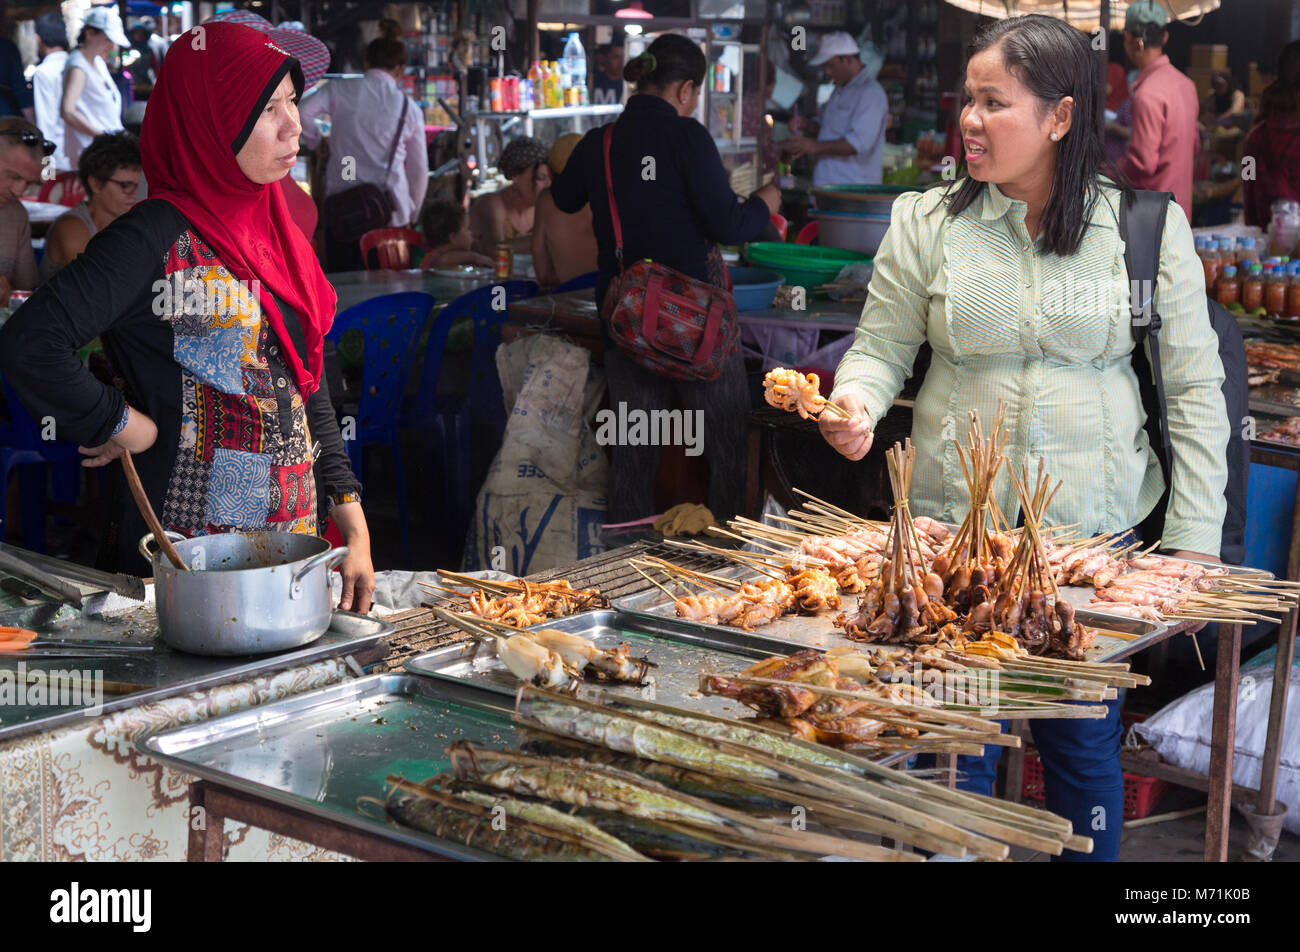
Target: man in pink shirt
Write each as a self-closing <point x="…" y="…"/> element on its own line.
<point x="1164" y="140"/>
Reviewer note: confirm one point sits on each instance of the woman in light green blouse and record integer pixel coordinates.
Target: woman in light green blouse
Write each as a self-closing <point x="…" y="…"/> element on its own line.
<point x="1015" y="275"/>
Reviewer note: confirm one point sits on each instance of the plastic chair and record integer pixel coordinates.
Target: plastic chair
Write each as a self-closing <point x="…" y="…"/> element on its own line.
<point x="392" y="246"/>
<point x="449" y="417"/>
<point x="580" y="283"/>
<point x="22" y="445"/>
<point x="807" y="234"/>
<point x="64" y="189"/>
<point x="781" y="224"/>
<point x="391" y="325"/>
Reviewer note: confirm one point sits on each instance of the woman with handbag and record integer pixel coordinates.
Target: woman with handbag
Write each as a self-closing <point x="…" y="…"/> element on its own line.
<point x="672" y="204"/>
<point x="213" y="310"/>
<point x="1016" y="276"/>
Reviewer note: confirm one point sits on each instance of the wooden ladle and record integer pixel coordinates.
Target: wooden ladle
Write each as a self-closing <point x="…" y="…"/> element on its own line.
<point x="146" y="510"/>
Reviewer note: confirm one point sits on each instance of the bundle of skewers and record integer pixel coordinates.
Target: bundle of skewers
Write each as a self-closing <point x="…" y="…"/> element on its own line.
<point x="927" y="697"/>
<point x="628" y="780"/>
<point x="550" y="658"/>
<point x="519" y="603"/>
<point x="1164" y="589"/>
<point x="799" y="393"/>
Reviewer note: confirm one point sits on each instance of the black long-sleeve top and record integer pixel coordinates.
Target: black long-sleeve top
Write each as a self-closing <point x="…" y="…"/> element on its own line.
<point x="234" y="434"/>
<point x="675" y="209"/>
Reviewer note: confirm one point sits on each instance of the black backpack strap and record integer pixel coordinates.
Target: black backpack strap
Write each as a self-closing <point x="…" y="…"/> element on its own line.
<point x="1142" y="228"/>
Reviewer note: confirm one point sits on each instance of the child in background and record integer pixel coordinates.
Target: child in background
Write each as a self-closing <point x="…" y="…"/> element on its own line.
<point x="447" y="234"/>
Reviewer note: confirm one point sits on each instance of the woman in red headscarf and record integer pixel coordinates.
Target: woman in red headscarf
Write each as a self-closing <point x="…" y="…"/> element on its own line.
<point x="212" y="309"/>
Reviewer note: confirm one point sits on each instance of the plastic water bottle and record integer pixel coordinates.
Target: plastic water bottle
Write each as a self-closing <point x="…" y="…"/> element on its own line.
<point x="574" y="64"/>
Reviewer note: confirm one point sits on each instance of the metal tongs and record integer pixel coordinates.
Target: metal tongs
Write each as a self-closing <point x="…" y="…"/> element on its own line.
<point x="24" y="643"/>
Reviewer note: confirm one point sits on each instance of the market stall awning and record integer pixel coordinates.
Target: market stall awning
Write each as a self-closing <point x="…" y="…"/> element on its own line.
<point x="1085" y="14"/>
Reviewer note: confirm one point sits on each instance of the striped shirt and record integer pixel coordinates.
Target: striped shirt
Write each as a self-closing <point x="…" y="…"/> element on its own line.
<point x="1049" y="337"/>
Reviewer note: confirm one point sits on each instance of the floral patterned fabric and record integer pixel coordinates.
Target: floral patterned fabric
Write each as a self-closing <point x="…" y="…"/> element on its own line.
<point x="84" y="793"/>
<point x="244" y="456"/>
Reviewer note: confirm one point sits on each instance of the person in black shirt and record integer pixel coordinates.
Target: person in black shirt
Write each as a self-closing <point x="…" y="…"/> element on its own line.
<point x="212" y="309"/>
<point x="676" y="204"/>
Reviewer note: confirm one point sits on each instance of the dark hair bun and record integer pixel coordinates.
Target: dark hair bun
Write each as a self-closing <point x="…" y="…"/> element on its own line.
<point x="639" y="67"/>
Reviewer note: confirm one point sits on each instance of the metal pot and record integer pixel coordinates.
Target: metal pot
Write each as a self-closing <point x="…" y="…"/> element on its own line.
<point x="244" y="593"/>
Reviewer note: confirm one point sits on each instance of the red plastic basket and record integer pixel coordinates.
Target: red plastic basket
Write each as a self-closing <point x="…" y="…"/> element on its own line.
<point x="1141" y="794"/>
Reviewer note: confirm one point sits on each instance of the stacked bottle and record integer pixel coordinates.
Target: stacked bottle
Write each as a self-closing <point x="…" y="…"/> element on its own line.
<point x="1275" y="292"/>
<point x="1252" y="287"/>
<point x="1228" y="291"/>
<point x="1293" y="293"/>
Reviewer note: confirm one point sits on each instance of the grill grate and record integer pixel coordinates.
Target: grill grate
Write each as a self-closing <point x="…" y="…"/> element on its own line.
<point x="419" y="630"/>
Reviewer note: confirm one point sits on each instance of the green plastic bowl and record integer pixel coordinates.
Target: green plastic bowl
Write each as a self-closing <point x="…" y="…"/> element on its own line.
<point x="804" y="265"/>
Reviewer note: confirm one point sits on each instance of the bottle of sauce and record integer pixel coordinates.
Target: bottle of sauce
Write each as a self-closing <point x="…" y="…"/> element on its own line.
<point x="1252" y="288"/>
<point x="1210" y="261"/>
<point x="1293" y="293"/>
<point x="1275" y="292"/>
<point x="1228" y="291"/>
<point x="1247" y="254"/>
<point x="1227" y="252"/>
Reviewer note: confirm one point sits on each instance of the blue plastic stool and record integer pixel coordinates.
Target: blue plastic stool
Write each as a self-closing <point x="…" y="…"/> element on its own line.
<point x="448" y="418"/>
<point x="22" y="445"/>
<point x="391" y="325"/>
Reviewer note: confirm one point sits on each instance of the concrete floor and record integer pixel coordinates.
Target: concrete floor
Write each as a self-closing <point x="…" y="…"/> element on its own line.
<point x="1181" y="840"/>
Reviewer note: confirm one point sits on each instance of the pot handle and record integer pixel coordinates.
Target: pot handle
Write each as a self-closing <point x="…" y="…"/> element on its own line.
<point x="328" y="559"/>
<point x="149" y="537"/>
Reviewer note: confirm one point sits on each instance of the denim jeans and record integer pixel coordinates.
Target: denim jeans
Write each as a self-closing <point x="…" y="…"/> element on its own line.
<point x="1081" y="774"/>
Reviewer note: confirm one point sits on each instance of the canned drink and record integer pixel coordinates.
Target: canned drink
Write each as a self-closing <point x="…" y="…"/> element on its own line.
<point x="505" y="261"/>
<point x="494" y="98"/>
<point x="16" y="298"/>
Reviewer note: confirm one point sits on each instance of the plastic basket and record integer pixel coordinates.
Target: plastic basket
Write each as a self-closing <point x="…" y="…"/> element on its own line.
<point x="1141" y="794"/>
<point x="806" y="265"/>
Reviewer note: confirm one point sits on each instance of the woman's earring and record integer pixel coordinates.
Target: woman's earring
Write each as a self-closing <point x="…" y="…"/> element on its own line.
<point x="1055" y="137"/>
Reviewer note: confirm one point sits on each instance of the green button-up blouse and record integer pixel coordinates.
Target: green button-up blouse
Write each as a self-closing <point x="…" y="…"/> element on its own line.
<point x="1050" y="337"/>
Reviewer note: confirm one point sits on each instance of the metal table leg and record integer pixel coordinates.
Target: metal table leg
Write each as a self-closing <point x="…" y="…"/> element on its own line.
<point x="1222" y="737"/>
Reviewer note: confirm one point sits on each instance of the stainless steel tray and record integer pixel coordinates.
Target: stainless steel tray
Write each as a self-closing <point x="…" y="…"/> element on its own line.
<point x="321" y="750"/>
<point x="680" y="655"/>
<point x="793" y="632"/>
<point x="165" y="672"/>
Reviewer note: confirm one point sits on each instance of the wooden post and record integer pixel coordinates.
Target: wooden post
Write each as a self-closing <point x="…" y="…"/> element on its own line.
<point x="534" y="38"/>
<point x="1223" y="732"/>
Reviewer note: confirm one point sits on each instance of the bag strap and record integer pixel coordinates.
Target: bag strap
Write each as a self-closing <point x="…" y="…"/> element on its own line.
<point x="608" y="137"/>
<point x="397" y="134"/>
<point x="1142" y="227"/>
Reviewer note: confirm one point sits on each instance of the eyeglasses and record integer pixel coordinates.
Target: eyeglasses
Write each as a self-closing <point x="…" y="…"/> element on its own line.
<point x="129" y="187"/>
<point x="31" y="139"/>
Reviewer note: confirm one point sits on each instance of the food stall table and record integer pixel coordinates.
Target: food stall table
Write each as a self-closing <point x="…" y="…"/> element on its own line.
<point x="72" y="784"/>
<point x="218" y="803"/>
<point x="573" y="314"/>
<point x="417" y="630"/>
<point x="354" y="287"/>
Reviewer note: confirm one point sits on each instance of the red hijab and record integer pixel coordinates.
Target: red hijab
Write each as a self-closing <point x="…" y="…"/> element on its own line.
<point x="215" y="82"/>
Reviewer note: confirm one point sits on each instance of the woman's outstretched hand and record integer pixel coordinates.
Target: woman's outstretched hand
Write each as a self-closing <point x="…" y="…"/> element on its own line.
<point x="851" y="438"/>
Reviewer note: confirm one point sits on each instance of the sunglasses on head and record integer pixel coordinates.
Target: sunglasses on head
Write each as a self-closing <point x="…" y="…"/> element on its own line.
<point x="31" y="139"/>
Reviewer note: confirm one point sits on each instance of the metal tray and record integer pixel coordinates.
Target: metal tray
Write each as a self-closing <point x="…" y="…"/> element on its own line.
<point x="321" y="750"/>
<point x="793" y="632"/>
<point x="165" y="672"/>
<point x="680" y="654"/>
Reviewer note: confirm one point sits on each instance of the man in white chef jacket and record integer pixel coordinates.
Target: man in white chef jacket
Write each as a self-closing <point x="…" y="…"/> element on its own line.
<point x="848" y="139"/>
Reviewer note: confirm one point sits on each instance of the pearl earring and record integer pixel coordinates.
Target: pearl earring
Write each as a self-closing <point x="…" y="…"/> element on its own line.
<point x="1055" y="137"/>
